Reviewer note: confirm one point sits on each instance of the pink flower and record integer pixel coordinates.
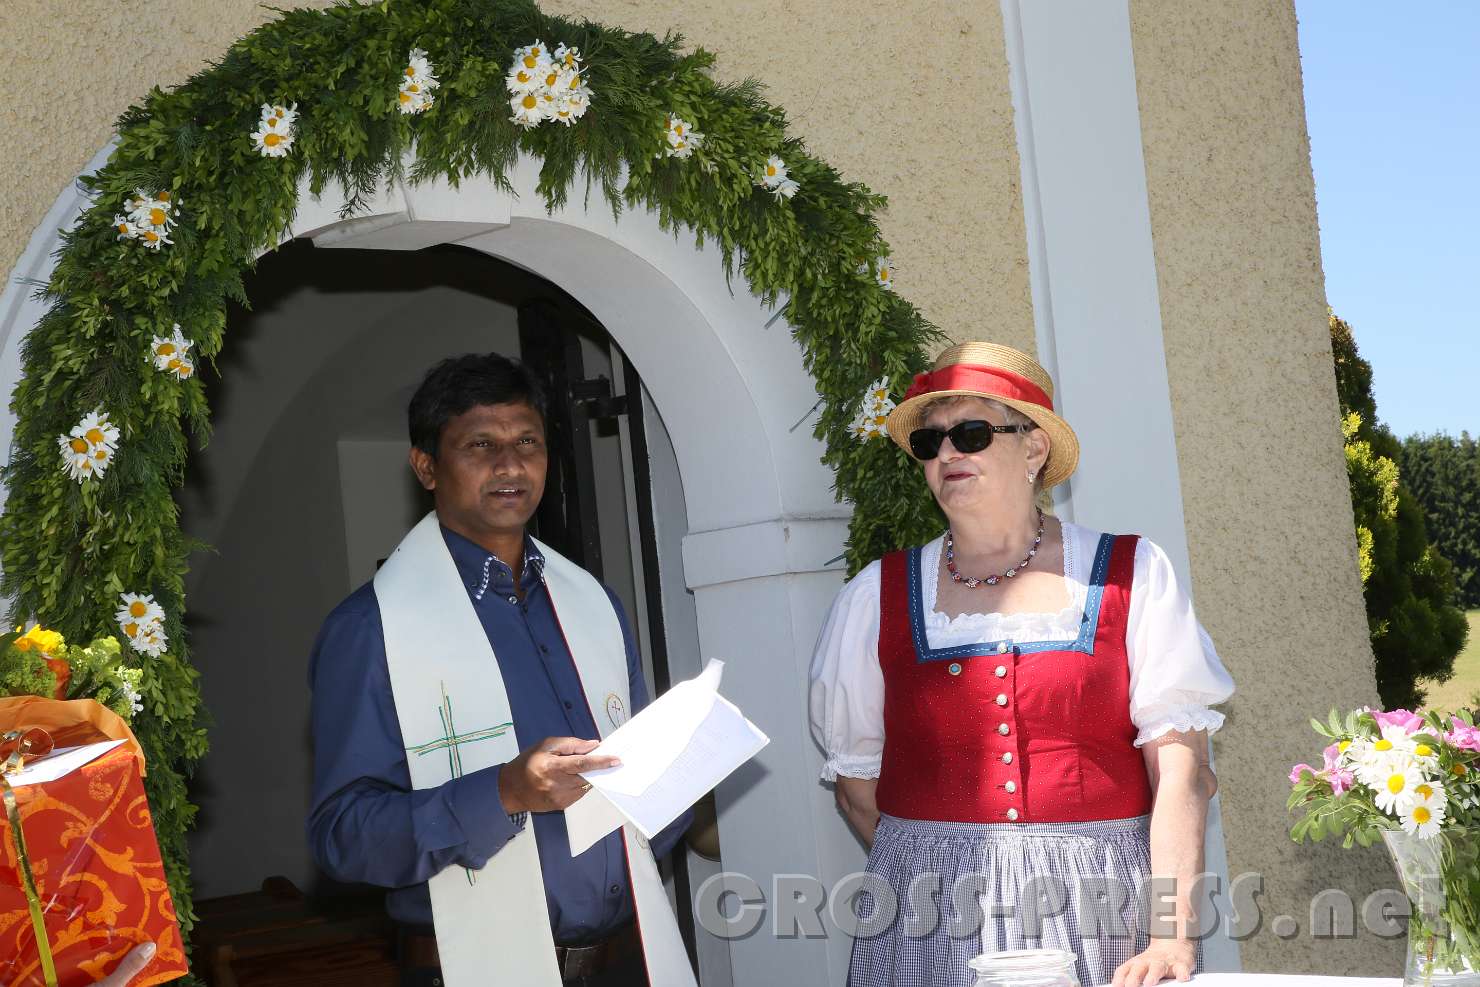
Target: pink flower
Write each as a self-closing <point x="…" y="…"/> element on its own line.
<point x="1341" y="779"/>
<point x="1463" y="735"/>
<point x="1298" y="770"/>
<point x="1410" y="721"/>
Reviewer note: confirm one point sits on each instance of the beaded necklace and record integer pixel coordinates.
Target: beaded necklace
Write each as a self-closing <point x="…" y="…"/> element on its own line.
<point x="973" y="581"/>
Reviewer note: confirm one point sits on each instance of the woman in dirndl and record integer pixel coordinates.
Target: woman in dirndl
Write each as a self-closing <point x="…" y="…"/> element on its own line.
<point x="1019" y="709"/>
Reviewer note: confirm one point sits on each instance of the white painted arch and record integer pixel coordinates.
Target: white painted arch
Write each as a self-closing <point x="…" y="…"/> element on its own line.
<point x="730" y="385"/>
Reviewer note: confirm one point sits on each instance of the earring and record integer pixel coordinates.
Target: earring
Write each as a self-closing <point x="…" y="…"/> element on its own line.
<point x="1031" y="476"/>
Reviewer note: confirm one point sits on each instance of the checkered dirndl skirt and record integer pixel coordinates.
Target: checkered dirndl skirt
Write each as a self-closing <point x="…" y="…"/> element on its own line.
<point x="999" y="886"/>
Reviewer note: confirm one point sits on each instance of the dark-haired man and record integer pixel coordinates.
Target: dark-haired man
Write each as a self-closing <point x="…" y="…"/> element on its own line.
<point x="456" y="701"/>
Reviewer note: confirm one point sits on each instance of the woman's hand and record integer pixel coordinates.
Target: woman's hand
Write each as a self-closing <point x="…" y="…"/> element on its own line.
<point x="1164" y="959"/>
<point x="130" y="966"/>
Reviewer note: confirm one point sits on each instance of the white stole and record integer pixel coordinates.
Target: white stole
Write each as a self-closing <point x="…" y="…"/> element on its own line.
<point x="493" y="925"/>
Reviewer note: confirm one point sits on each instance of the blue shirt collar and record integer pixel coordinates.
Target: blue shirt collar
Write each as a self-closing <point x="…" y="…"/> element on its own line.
<point x="482" y="572"/>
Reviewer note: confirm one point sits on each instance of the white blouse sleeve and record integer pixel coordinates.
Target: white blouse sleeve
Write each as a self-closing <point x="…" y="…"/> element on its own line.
<point x="846" y="700"/>
<point x="1175" y="671"/>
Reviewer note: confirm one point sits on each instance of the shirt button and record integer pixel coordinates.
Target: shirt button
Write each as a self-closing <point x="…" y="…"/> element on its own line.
<point x="1007" y="758"/>
<point x="954" y="668"/>
<point x="1002" y="648"/>
<point x="513" y="599"/>
<point x="1012" y="815"/>
<point x="615" y="889"/>
<point x="569" y="704"/>
<point x="1011" y="787"/>
<point x="1003" y="729"/>
<point x="1001" y="671"/>
<point x="544" y="650"/>
<point x="1001" y="699"/>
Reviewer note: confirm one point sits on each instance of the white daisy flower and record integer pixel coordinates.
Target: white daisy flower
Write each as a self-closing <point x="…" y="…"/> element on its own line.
<point x="99" y="436"/>
<point x="1423" y="818"/>
<point x="529" y="110"/>
<point x="271" y="142"/>
<point x="125" y="228"/>
<point x="774" y="173"/>
<point x="524" y="80"/>
<point x="157" y="211"/>
<point x="532" y="55"/>
<point x="151" y="641"/>
<point x="1395" y="792"/>
<point x="883" y="272"/>
<point x="167" y="349"/>
<point x="681" y="136"/>
<point x="863" y="427"/>
<point x="417" y="83"/>
<point x="77" y="456"/>
<point x="878" y="393"/>
<point x="787" y="189"/>
<point x="419" y="68"/>
<point x="138" y="613"/>
<point x="276" y="116"/>
<point x="567" y="56"/>
<point x="153" y="238"/>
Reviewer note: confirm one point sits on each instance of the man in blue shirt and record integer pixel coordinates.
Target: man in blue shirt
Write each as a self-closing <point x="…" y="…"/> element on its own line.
<point x="478" y="444"/>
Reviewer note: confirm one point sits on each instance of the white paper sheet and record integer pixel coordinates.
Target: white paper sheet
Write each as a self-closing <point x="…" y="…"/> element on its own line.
<point x="673" y="753"/>
<point x="59" y="763"/>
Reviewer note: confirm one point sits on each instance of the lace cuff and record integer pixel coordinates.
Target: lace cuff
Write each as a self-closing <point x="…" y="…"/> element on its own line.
<point x="1179" y="719"/>
<point x="851" y="766"/>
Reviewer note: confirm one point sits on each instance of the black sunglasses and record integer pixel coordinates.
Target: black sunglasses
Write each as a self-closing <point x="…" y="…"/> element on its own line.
<point x="966" y="437"/>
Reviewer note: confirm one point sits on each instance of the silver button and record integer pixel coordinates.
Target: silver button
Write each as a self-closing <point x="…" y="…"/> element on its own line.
<point x="1001" y="671"/>
<point x="1001" y="699"/>
<point x="1002" y="729"/>
<point x="1002" y="648"/>
<point x="1012" y="814"/>
<point x="1007" y="758"/>
<point x="954" y="668"/>
<point x="1011" y="787"/>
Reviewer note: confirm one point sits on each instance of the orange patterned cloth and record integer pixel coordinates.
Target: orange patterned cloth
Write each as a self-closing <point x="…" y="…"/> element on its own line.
<point x="98" y="872"/>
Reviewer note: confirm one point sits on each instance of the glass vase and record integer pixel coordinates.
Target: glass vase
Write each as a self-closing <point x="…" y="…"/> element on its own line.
<point x="1025" y="968"/>
<point x="1435" y="873"/>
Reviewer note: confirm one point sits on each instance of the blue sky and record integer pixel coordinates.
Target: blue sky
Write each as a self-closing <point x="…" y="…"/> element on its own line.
<point x="1392" y="97"/>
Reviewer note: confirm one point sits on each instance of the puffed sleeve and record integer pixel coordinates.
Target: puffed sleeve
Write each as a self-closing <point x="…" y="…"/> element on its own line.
<point x="1176" y="674"/>
<point x="846" y="701"/>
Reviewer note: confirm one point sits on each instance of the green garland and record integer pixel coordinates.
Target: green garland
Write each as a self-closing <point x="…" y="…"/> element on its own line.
<point x="70" y="548"/>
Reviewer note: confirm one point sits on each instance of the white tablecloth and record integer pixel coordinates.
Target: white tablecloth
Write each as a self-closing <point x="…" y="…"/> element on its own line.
<point x="1286" y="980"/>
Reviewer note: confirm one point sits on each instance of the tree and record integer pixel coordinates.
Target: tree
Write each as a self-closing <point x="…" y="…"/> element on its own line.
<point x="1444" y="474"/>
<point x="1415" y="626"/>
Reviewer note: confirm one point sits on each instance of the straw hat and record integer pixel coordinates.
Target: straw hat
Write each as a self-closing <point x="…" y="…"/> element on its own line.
<point x="1003" y="374"/>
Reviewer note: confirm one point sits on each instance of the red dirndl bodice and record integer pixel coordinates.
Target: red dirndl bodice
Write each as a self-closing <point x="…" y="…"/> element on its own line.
<point x="1000" y="732"/>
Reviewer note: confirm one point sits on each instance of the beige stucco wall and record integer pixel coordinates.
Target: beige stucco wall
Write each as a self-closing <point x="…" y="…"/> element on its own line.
<point x="1269" y="523"/>
<point x="1233" y="215"/>
<point x="847" y="75"/>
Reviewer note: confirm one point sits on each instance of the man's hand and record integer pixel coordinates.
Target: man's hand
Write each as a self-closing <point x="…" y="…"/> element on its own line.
<point x="1164" y="959"/>
<point x="547" y="776"/>
<point x="130" y="966"/>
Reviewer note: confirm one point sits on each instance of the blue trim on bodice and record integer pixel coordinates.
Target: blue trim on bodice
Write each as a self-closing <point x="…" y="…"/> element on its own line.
<point x="1088" y="625"/>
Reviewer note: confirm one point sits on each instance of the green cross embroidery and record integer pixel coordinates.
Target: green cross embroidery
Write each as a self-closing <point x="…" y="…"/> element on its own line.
<point x="451" y="741"/>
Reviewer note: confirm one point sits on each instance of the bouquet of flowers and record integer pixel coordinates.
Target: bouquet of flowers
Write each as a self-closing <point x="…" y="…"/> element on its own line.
<point x="1413" y="781"/>
<point x="39" y="662"/>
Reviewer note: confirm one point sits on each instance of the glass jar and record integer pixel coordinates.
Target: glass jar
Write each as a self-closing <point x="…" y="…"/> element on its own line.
<point x="1438" y="875"/>
<point x="1025" y="968"/>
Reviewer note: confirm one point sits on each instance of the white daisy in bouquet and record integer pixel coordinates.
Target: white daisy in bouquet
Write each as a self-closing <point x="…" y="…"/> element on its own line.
<point x="417" y="82"/>
<point x="275" y="131"/>
<point x="545" y="84"/>
<point x="1408" y="780"/>
<point x="88" y="449"/>
<point x="873" y="411"/>
<point x="171" y="353"/>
